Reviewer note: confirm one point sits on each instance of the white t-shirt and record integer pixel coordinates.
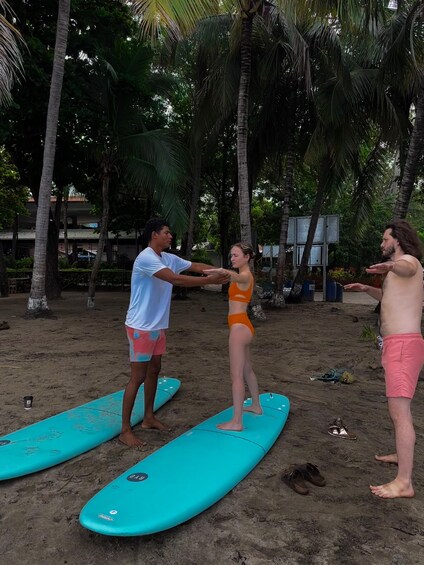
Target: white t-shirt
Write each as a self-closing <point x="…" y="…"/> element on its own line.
<point x="150" y="300"/>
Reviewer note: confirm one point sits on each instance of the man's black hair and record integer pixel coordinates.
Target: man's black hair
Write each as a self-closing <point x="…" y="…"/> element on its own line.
<point x="153" y="225"/>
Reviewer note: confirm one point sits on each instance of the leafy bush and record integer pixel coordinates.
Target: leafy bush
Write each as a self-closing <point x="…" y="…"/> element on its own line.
<point x="107" y="278"/>
<point x="63" y="263"/>
<point x="341" y="275"/>
<point x="16" y="273"/>
<point x="25" y="263"/>
<point x="201" y="256"/>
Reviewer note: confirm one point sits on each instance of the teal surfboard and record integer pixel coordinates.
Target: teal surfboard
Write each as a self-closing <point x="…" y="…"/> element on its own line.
<point x="68" y="434"/>
<point x="186" y="476"/>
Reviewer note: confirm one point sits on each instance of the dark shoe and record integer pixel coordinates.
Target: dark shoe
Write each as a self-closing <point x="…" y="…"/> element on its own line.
<point x="293" y="478"/>
<point x="311" y="473"/>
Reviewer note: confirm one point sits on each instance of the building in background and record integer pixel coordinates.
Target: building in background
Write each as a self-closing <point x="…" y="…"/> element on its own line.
<point x="82" y="234"/>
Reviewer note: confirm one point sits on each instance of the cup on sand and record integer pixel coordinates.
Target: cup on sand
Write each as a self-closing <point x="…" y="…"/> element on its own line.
<point x="28" y="402"/>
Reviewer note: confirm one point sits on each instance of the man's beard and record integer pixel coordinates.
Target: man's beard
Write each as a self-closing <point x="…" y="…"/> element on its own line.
<point x="388" y="253"/>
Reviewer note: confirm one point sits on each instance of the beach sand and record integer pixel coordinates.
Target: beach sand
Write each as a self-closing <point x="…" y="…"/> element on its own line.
<point x="83" y="354"/>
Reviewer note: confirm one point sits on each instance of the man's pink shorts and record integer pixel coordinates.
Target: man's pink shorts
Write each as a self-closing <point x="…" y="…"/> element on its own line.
<point x="402" y="360"/>
<point x="143" y="345"/>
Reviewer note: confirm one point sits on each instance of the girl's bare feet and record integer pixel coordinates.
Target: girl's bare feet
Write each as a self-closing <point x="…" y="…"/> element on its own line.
<point x="231" y="426"/>
<point x="255" y="409"/>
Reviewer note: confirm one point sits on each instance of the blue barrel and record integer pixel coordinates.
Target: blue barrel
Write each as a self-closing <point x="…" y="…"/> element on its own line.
<point x="330" y="291"/>
<point x="308" y="291"/>
<point x="339" y="292"/>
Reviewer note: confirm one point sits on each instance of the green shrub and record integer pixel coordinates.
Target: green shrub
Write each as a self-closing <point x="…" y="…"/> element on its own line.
<point x="63" y="263"/>
<point x="106" y="278"/>
<point x="25" y="263"/>
<point x="201" y="256"/>
<point x="341" y="275"/>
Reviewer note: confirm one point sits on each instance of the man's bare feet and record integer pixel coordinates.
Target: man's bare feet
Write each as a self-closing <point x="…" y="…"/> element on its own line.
<point x="131" y="440"/>
<point x="230" y="426"/>
<point x="255" y="409"/>
<point x="392" y="458"/>
<point x="395" y="489"/>
<point x="154" y="424"/>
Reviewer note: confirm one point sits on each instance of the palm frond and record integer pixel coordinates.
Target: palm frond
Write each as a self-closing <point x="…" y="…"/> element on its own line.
<point x="10" y="55"/>
<point x="365" y="193"/>
<point x="176" y="18"/>
<point x="155" y="162"/>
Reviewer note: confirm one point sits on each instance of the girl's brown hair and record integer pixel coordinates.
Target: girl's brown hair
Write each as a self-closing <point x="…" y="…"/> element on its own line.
<point x="245" y="248"/>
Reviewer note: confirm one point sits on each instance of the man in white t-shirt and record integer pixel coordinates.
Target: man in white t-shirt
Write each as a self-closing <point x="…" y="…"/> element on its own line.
<point x="154" y="273"/>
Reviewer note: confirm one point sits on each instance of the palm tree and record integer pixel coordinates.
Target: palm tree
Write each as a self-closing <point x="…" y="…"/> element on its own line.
<point x="10" y="55"/>
<point x="179" y="18"/>
<point x="404" y="55"/>
<point x="150" y="162"/>
<point x="37" y="302"/>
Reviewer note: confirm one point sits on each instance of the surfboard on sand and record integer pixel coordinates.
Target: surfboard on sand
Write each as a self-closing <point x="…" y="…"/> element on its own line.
<point x="186" y="476"/>
<point x="68" y="434"/>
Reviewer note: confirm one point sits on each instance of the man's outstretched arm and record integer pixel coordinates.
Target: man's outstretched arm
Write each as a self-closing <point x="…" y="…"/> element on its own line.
<point x="372" y="291"/>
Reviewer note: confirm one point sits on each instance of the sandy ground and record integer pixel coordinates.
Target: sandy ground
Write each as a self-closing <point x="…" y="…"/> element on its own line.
<point x="82" y="355"/>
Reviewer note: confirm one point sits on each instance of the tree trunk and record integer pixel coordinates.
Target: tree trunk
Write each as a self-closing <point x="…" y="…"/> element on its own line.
<point x="37" y="302"/>
<point x="109" y="250"/>
<point x="53" y="279"/>
<point x="15" y="236"/>
<point x="242" y="141"/>
<point x="65" y="223"/>
<point x="243" y="127"/>
<point x="58" y="208"/>
<point x="195" y="195"/>
<point x="415" y="151"/>
<point x="102" y="241"/>
<point x="4" y="282"/>
<point x="319" y="200"/>
<point x="278" y="298"/>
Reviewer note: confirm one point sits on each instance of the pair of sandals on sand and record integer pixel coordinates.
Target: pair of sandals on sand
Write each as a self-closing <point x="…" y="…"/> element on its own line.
<point x="296" y="475"/>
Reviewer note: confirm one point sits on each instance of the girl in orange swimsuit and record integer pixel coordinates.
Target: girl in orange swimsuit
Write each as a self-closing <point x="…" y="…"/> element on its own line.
<point x="241" y="335"/>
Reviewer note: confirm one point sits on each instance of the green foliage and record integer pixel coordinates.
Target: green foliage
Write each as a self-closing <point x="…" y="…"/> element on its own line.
<point x="25" y="263"/>
<point x="107" y="278"/>
<point x="94" y="28"/>
<point x="63" y="263"/>
<point x="13" y="195"/>
<point x="359" y="244"/>
<point x="15" y="272"/>
<point x="368" y="334"/>
<point x="201" y="256"/>
<point x="341" y="275"/>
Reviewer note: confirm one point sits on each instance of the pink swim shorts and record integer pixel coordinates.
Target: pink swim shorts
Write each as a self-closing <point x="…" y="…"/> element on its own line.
<point x="143" y="345"/>
<point x="402" y="360"/>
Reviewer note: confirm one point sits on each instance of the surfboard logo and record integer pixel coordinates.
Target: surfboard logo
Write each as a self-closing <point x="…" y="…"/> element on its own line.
<point x="4" y="442"/>
<point x="137" y="477"/>
<point x="104" y="517"/>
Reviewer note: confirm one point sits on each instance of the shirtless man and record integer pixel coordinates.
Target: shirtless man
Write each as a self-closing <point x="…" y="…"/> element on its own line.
<point x="403" y="346"/>
<point x="154" y="273"/>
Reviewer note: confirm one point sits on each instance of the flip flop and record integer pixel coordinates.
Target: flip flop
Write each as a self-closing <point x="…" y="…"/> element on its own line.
<point x="311" y="473"/>
<point x="338" y="429"/>
<point x="293" y="478"/>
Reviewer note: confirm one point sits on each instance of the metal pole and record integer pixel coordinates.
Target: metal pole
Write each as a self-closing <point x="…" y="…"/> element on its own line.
<point x="324" y="261"/>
